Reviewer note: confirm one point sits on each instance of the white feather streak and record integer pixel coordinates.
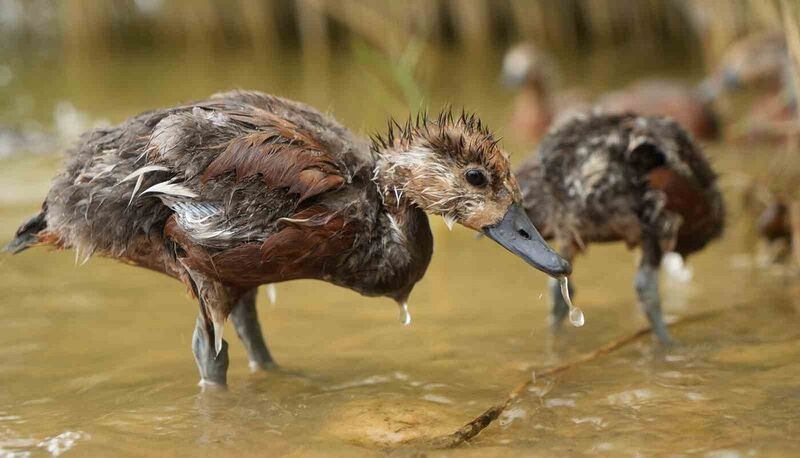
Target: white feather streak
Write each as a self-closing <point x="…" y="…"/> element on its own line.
<point x="139" y="175"/>
<point x="171" y="189"/>
<point x="449" y="220"/>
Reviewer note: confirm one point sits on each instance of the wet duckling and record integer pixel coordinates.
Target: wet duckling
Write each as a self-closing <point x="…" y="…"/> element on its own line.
<point x="630" y="178"/>
<point x="537" y="106"/>
<point x="245" y="189"/>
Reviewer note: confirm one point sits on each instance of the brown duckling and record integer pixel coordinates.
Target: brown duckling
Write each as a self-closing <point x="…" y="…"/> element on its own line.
<point x="778" y="228"/>
<point x="773" y="223"/>
<point x="245" y="189"/>
<point x="758" y="60"/>
<point x="664" y="97"/>
<point x="630" y="178"/>
<point x="537" y="106"/>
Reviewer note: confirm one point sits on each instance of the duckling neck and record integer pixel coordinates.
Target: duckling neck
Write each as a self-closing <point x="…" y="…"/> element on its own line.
<point x="392" y="175"/>
<point x="406" y="239"/>
<point x="534" y="106"/>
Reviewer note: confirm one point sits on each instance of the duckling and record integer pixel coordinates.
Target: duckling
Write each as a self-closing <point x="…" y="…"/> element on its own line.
<point x="757" y="60"/>
<point x="537" y="107"/>
<point x="773" y="223"/>
<point x="623" y="177"/>
<point x="679" y="101"/>
<point x="244" y="189"/>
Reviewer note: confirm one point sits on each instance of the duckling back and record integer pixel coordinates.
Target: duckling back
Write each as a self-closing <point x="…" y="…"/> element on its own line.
<point x="120" y="185"/>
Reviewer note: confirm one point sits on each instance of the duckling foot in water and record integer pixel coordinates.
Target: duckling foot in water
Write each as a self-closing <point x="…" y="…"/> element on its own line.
<point x="646" y="284"/>
<point x="213" y="366"/>
<point x="245" y="319"/>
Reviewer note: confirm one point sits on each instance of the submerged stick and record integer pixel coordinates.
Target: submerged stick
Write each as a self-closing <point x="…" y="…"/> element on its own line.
<point x="482" y="421"/>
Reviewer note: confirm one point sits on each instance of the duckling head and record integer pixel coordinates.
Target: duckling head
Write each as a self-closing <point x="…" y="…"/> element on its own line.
<point x="525" y="65"/>
<point x="454" y="167"/>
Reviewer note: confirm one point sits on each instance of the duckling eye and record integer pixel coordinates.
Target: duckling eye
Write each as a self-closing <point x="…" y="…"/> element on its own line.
<point x="475" y="178"/>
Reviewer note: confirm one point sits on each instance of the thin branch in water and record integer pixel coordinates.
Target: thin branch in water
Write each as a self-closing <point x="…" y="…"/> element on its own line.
<point x="482" y="421"/>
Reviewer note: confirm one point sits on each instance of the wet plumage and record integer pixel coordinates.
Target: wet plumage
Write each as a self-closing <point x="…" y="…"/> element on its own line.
<point x="636" y="179"/>
<point x="244" y="189"/>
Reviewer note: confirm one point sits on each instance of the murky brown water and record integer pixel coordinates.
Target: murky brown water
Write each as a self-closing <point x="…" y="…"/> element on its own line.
<point x="96" y="359"/>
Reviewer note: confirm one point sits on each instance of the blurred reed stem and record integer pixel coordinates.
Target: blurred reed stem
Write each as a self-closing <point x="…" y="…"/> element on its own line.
<point x="791" y="25"/>
<point x="88" y="26"/>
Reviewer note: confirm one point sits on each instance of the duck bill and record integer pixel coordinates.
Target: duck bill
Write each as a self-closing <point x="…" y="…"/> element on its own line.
<point x="516" y="233"/>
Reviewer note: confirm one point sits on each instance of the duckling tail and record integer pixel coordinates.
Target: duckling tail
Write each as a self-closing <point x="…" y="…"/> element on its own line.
<point x="28" y="234"/>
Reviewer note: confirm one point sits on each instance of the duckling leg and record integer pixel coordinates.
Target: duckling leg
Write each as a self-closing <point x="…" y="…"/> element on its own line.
<point x="245" y="319"/>
<point x="559" y="308"/>
<point x="209" y="348"/>
<point x="213" y="367"/>
<point x="646" y="283"/>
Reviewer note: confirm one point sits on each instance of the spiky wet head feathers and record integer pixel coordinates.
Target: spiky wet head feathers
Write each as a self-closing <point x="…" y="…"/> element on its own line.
<point x="425" y="161"/>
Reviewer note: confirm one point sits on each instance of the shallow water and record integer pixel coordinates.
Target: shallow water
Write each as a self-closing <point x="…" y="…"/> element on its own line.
<point x="96" y="359"/>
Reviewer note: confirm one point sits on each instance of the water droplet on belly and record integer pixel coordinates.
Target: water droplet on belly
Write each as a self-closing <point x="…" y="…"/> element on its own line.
<point x="575" y="314"/>
<point x="405" y="316"/>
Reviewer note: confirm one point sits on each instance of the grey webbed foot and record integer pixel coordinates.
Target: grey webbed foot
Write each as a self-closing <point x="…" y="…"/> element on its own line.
<point x="646" y="283"/>
<point x="559" y="308"/>
<point x="245" y="320"/>
<point x="213" y="367"/>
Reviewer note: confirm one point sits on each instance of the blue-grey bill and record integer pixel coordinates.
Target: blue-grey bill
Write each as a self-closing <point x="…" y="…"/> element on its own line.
<point x="516" y="233"/>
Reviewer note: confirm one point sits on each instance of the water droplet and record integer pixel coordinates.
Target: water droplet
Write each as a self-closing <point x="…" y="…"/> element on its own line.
<point x="576" y="317"/>
<point x="575" y="314"/>
<point x="405" y="316"/>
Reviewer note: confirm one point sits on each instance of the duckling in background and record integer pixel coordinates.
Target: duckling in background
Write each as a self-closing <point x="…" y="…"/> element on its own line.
<point x="781" y="236"/>
<point x="662" y="97"/>
<point x="537" y="106"/>
<point x="245" y="189"/>
<point x="761" y="62"/>
<point x="623" y="177"/>
<point x="756" y="61"/>
<point x="773" y="223"/>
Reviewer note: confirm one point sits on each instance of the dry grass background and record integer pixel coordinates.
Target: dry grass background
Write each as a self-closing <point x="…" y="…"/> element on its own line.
<point x="88" y="26"/>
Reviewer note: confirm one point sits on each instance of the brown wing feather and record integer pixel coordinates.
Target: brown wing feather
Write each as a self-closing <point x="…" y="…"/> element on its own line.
<point x="700" y="222"/>
<point x="284" y="155"/>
